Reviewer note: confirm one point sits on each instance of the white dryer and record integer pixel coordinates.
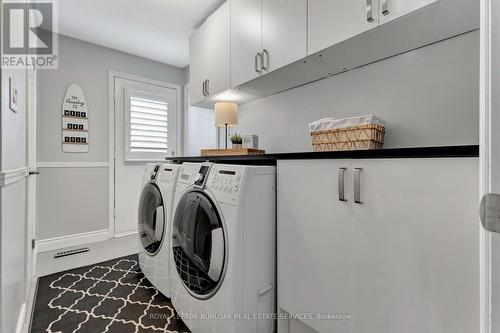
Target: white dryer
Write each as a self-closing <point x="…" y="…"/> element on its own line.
<point x="223" y="248"/>
<point x="155" y="215"/>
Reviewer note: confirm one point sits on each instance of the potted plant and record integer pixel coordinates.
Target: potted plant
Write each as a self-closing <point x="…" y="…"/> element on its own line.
<point x="236" y="140"/>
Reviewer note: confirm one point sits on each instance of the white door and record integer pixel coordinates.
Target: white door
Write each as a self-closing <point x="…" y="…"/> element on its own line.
<point x="218" y="50"/>
<point x="146" y="131"/>
<point x="246" y="40"/>
<point x="284" y="36"/>
<point x="315" y="255"/>
<point x="417" y="246"/>
<point x="333" y="21"/>
<point x="392" y="9"/>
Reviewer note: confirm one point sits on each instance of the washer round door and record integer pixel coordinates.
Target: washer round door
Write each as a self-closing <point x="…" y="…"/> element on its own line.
<point x="198" y="245"/>
<point x="151" y="218"/>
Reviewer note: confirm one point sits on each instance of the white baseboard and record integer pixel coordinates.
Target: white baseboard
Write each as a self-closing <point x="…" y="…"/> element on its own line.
<point x="30" y="305"/>
<point x="99" y="251"/>
<point x="57" y="243"/>
<point x="21" y="319"/>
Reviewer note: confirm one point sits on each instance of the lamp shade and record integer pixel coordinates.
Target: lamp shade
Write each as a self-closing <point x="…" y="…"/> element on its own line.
<point x="226" y="113"/>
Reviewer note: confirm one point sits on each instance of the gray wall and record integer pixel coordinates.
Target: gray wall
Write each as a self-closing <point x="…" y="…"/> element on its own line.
<point x="87" y="65"/>
<point x="429" y="96"/>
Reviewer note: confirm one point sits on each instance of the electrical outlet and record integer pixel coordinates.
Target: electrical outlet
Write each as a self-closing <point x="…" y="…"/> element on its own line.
<point x="13" y="96"/>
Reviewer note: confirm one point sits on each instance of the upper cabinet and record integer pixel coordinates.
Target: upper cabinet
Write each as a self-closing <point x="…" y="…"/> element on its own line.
<point x="392" y="9"/>
<point x="210" y="56"/>
<point x="197" y="65"/>
<point x="333" y="21"/>
<point x="246" y="40"/>
<point x="266" y="35"/>
<point x="284" y="33"/>
<point x="261" y="47"/>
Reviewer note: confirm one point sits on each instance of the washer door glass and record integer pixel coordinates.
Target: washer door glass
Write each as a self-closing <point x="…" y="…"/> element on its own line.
<point x="198" y="244"/>
<point x="151" y="218"/>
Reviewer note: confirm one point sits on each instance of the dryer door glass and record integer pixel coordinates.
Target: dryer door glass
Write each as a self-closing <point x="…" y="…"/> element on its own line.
<point x="198" y="244"/>
<point x="151" y="218"/>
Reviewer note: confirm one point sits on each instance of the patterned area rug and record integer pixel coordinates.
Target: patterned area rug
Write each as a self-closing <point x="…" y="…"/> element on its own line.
<point x="112" y="296"/>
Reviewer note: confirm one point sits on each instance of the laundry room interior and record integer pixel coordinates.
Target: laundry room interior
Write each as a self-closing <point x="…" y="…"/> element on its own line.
<point x="250" y="166"/>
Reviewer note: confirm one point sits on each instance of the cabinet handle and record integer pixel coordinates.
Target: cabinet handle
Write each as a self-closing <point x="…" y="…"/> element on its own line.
<point x="385" y="7"/>
<point x="208" y="87"/>
<point x="257" y="57"/>
<point x="369" y="11"/>
<point x="203" y="88"/>
<point x="341" y="184"/>
<point x="357" y="185"/>
<point x="264" y="56"/>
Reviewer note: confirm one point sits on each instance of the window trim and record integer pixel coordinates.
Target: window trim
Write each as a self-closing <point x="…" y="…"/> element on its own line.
<point x="131" y="156"/>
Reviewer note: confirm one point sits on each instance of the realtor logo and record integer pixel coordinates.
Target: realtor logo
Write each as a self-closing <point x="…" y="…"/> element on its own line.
<point x="29" y="35"/>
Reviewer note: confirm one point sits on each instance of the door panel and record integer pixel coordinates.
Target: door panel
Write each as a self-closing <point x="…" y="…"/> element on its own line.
<point x="333" y="21"/>
<point x="284" y="36"/>
<point x="197" y="64"/>
<point x="218" y="50"/>
<point x="128" y="175"/>
<point x="398" y="8"/>
<point x="246" y="39"/>
<point x="315" y="242"/>
<point x="417" y="246"/>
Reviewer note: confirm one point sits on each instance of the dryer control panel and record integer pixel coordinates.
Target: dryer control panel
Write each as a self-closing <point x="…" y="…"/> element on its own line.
<point x="154" y="173"/>
<point x="226" y="181"/>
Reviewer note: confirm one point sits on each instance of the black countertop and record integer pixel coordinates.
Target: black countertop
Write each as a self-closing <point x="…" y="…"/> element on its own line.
<point x="271" y="159"/>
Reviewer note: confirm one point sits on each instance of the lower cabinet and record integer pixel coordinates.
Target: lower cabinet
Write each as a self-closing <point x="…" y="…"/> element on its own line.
<point x="385" y="245"/>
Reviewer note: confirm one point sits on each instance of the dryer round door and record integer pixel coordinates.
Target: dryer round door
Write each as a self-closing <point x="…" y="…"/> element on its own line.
<point x="151" y="221"/>
<point x="198" y="245"/>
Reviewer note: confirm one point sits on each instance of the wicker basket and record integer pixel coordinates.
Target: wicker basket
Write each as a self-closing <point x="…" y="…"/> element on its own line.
<point x="364" y="137"/>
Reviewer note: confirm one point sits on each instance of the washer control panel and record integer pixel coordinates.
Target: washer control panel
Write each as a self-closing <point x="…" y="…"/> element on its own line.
<point x="225" y="183"/>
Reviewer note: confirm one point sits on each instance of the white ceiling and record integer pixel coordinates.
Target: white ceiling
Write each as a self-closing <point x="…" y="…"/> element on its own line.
<point x="153" y="29"/>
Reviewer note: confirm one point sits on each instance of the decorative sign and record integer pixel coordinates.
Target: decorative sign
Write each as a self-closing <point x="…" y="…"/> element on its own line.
<point x="75" y="121"/>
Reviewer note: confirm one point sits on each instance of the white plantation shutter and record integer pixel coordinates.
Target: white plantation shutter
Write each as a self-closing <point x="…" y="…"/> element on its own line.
<point x="147" y="126"/>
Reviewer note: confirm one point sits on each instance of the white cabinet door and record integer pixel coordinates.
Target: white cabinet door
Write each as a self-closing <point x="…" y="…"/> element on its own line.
<point x="416" y="246"/>
<point x="246" y="39"/>
<point x="333" y="21"/>
<point x="217" y="50"/>
<point x="314" y="242"/>
<point x="284" y="32"/>
<point x="392" y="9"/>
<point x="197" y="64"/>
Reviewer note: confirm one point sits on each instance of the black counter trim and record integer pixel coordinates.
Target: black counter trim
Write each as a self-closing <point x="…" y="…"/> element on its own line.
<point x="270" y="159"/>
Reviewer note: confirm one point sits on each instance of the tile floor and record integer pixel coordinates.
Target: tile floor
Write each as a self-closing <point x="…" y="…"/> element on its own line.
<point x="111" y="297"/>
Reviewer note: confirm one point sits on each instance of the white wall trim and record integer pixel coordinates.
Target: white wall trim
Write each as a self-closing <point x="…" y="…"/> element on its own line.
<point x="47" y="165"/>
<point x="12" y="176"/>
<point x="56" y="243"/>
<point x="21" y="318"/>
<point x="30" y="302"/>
<point x="125" y="234"/>
<point x="485" y="122"/>
<point x="99" y="252"/>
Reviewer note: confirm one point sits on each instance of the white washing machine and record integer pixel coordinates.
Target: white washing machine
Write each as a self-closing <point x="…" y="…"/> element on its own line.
<point x="155" y="215"/>
<point x="222" y="278"/>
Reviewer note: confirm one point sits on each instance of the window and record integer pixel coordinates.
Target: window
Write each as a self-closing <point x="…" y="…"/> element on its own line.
<point x="147" y="126"/>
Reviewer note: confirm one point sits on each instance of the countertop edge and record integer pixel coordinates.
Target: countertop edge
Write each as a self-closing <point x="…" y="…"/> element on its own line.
<point x="413" y="152"/>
